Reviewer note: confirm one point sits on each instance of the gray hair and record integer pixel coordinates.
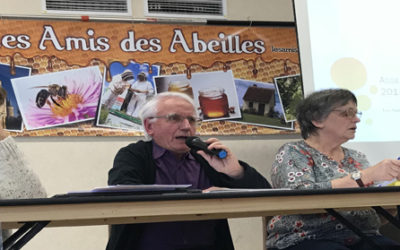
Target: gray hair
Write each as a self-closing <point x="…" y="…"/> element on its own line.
<point x="150" y="108"/>
<point x="318" y="105"/>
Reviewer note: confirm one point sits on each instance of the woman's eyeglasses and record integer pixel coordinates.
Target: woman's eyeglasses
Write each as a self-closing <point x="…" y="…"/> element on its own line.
<point x="349" y="113"/>
<point x="176" y="118"/>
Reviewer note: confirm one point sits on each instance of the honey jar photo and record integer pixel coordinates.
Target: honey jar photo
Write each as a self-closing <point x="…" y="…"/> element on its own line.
<point x="213" y="103"/>
<point x="181" y="86"/>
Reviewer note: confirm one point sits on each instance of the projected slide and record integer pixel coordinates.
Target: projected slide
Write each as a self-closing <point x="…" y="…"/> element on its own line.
<point x="355" y="44"/>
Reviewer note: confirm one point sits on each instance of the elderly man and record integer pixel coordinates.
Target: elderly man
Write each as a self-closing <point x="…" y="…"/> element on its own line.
<point x="168" y="119"/>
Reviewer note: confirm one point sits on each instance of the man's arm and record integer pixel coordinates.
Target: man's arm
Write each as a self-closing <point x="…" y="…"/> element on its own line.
<point x="132" y="165"/>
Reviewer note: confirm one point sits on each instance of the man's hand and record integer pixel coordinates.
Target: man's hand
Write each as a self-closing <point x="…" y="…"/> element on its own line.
<point x="229" y="165"/>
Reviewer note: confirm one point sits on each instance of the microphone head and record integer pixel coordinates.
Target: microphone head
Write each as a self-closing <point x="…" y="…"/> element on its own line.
<point x="190" y="140"/>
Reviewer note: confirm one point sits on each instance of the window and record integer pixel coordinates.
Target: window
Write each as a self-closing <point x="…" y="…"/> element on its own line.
<point x="186" y="8"/>
<point x="103" y="7"/>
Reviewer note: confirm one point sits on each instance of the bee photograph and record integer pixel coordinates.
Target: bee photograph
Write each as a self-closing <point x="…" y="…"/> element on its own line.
<point x="58" y="98"/>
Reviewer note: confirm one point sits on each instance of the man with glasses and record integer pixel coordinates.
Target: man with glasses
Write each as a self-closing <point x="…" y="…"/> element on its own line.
<point x="164" y="158"/>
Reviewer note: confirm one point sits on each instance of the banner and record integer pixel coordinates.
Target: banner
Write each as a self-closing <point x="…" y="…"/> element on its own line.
<point x="74" y="78"/>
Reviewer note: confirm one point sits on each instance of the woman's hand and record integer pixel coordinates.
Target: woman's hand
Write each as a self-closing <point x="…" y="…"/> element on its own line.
<point x="229" y="165"/>
<point x="385" y="170"/>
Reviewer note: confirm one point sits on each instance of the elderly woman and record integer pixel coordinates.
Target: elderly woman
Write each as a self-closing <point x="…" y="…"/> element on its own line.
<point x="327" y="119"/>
<point x="17" y="180"/>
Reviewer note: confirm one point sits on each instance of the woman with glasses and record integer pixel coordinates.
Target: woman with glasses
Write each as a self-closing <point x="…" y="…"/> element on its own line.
<point x="327" y="119"/>
<point x="169" y="119"/>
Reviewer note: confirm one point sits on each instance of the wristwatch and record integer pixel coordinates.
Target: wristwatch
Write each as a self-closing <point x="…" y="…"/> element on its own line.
<point x="357" y="177"/>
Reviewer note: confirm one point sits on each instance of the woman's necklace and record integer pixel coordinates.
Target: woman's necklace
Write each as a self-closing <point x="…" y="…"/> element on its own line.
<point x="337" y="155"/>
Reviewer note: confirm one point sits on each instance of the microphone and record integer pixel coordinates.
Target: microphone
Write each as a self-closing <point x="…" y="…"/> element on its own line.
<point x="196" y="143"/>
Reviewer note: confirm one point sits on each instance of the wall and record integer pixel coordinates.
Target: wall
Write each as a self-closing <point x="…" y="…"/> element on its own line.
<point x="249" y="10"/>
<point x="79" y="163"/>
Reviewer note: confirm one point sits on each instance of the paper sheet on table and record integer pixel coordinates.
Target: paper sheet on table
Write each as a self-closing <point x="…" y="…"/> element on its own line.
<point x="244" y="189"/>
<point x="393" y="182"/>
<point x="134" y="188"/>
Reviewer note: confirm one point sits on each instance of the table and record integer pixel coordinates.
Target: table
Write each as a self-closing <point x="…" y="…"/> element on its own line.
<point x="123" y="209"/>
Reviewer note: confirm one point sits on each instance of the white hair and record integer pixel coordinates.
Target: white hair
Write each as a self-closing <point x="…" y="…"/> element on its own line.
<point x="150" y="108"/>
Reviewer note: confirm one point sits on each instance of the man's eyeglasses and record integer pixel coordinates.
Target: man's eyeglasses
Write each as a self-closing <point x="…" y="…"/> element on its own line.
<point x="349" y="113"/>
<point x="176" y="118"/>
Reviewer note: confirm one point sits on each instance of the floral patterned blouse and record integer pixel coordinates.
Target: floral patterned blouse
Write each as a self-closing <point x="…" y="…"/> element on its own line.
<point x="299" y="166"/>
